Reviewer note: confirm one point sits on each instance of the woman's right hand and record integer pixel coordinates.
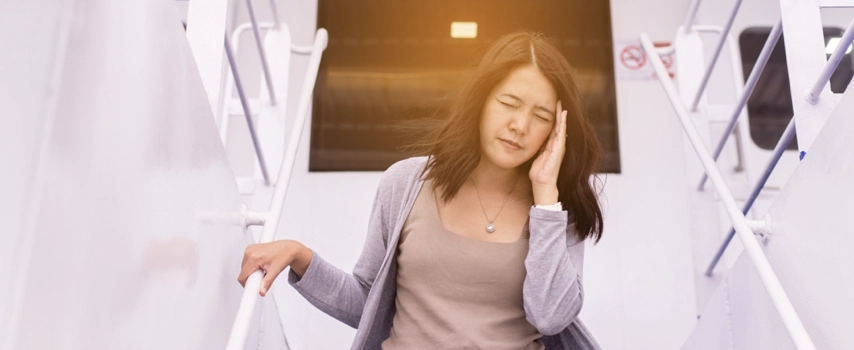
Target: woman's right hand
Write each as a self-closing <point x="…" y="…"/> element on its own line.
<point x="272" y="258"/>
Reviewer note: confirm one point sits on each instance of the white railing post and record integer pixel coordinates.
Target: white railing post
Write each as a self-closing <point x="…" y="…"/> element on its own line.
<point x="766" y="273"/>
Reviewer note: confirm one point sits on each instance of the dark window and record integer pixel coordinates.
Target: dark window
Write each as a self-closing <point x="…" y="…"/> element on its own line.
<point x="769" y="108"/>
<point x="389" y="61"/>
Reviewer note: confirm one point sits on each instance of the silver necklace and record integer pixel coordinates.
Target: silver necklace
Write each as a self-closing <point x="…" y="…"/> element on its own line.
<point x="490" y="228"/>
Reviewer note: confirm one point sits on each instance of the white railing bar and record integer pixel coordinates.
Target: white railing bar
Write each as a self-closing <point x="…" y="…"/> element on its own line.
<point x="711" y="67"/>
<point x="252" y="218"/>
<point x="275" y="13"/>
<point x="302" y="50"/>
<point x="782" y="143"/>
<point x="832" y="63"/>
<point x="766" y="273"/>
<point x="229" y="83"/>
<point x="243" y="101"/>
<point x="240" y="328"/>
<point x="757" y="226"/>
<point x="692" y="15"/>
<point x="758" y="67"/>
<point x="261" y="52"/>
<point x="666" y="50"/>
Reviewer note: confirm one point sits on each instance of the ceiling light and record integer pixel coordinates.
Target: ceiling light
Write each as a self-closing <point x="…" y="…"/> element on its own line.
<point x="464" y="30"/>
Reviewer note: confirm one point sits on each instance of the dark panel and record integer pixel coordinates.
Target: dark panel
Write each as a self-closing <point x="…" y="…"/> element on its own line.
<point x="390" y="61"/>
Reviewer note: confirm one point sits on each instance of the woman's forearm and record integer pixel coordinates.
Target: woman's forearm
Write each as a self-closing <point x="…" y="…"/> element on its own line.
<point x="552" y="291"/>
<point x="301" y="259"/>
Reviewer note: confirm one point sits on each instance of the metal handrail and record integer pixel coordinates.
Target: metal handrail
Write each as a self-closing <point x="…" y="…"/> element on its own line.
<point x="240" y="328"/>
<point x="766" y="273"/>
<point x="261" y="52"/>
<point x="711" y="67"/>
<point x="832" y="63"/>
<point x="243" y="101"/>
<point x="782" y="143"/>
<point x="749" y="86"/>
<point x="738" y="87"/>
<point x="229" y="83"/>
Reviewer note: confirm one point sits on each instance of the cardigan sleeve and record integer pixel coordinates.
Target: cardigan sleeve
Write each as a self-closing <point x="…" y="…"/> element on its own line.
<point x="552" y="291"/>
<point x="343" y="295"/>
<point x="340" y="294"/>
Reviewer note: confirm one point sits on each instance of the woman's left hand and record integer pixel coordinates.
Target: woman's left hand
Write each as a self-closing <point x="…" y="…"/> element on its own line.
<point x="544" y="170"/>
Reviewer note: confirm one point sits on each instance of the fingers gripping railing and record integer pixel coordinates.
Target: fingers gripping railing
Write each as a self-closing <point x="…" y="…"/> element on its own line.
<point x="766" y="273"/>
<point x="758" y="67"/>
<point x="240" y="329"/>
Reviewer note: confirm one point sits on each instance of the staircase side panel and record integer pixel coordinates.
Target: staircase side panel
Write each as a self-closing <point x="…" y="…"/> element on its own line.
<point x="813" y="233"/>
<point x="136" y="242"/>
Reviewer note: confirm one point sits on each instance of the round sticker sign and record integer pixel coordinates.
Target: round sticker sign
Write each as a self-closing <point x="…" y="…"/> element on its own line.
<point x="632" y="57"/>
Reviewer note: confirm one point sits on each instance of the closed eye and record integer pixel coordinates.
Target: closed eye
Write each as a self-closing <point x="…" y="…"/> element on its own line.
<point x="543" y="118"/>
<point x="507" y="104"/>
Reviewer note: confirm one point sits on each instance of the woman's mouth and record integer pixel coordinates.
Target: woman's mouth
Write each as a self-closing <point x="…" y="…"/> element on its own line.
<point x="510" y="144"/>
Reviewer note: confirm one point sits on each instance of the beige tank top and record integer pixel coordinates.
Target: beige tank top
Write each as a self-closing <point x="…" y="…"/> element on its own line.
<point x="454" y="292"/>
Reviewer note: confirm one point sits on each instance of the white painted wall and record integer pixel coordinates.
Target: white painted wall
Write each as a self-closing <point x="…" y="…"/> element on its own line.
<point x="30" y="62"/>
<point x="124" y="230"/>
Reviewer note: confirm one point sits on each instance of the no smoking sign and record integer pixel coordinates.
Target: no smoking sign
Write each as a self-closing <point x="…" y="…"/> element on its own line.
<point x="632" y="57"/>
<point x="632" y="63"/>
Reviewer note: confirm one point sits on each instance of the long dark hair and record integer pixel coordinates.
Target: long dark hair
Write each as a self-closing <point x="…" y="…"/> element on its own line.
<point x="454" y="146"/>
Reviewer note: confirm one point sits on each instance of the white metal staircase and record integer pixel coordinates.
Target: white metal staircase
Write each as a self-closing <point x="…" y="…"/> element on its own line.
<point x="776" y="294"/>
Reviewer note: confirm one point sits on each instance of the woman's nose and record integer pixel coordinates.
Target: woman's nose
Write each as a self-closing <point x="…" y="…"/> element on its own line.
<point x="520" y="122"/>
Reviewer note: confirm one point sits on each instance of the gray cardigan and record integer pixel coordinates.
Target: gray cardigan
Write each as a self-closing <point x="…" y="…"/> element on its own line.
<point x="365" y="299"/>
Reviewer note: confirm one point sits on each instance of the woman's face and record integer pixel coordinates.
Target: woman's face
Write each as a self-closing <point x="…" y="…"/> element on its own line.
<point x="517" y="118"/>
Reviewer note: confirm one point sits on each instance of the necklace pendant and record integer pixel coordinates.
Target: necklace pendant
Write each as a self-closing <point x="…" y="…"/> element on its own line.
<point x="490" y="228"/>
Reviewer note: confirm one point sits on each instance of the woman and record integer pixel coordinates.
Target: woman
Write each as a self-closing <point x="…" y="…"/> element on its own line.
<point x="470" y="247"/>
